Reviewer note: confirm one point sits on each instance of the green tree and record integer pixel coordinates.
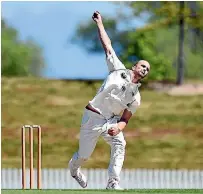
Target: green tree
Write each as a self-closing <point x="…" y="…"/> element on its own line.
<point x="129" y="45"/>
<point x="169" y="14"/>
<point x="19" y="58"/>
<point x="156" y="42"/>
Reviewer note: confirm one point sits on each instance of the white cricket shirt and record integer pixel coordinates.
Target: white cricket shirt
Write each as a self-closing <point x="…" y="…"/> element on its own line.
<point x="117" y="92"/>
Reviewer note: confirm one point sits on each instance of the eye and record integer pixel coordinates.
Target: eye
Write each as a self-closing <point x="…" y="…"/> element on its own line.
<point x="143" y="65"/>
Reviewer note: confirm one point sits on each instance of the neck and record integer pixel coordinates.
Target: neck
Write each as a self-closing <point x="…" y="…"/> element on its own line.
<point x="134" y="77"/>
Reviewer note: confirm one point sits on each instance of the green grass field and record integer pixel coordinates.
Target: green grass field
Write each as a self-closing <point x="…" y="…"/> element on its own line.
<point x="166" y="131"/>
<point x="153" y="191"/>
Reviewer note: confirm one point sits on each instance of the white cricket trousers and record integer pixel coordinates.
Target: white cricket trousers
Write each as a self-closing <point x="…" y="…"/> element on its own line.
<point x="92" y="127"/>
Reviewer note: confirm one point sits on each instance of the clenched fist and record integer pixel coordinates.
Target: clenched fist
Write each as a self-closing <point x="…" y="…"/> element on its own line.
<point x="97" y="17"/>
<point x="114" y="131"/>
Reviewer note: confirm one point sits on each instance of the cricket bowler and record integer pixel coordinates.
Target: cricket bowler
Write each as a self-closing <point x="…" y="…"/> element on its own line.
<point x="108" y="113"/>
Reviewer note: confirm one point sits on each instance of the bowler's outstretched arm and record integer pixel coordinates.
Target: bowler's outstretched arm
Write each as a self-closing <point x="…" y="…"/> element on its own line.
<point x="112" y="60"/>
<point x="104" y="38"/>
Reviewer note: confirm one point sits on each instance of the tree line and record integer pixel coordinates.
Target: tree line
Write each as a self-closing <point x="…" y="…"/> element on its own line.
<point x="171" y="38"/>
<point x="19" y="58"/>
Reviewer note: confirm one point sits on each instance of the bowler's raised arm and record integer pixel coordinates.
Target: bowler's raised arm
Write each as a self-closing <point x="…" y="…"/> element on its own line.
<point x="112" y="60"/>
<point x="104" y="38"/>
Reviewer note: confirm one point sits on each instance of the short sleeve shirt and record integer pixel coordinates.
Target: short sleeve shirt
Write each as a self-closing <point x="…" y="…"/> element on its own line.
<point x="117" y="92"/>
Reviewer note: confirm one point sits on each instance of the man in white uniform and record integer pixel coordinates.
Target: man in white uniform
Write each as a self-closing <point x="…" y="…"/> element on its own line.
<point x="117" y="96"/>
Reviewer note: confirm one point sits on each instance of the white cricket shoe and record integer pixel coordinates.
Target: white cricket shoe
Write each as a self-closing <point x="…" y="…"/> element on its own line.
<point x="113" y="184"/>
<point x="77" y="175"/>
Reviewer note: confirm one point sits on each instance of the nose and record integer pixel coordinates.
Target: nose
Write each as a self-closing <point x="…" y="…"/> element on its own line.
<point x="145" y="69"/>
